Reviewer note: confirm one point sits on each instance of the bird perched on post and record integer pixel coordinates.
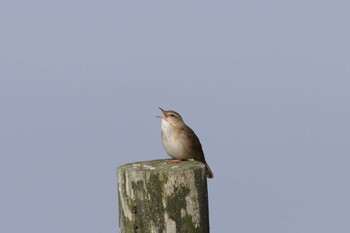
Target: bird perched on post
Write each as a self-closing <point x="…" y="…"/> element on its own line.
<point x="179" y="140"/>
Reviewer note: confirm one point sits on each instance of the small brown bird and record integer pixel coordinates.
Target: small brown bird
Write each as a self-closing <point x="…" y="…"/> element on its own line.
<point x="179" y="140"/>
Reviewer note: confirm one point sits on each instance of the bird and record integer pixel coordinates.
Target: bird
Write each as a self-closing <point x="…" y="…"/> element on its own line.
<point x="179" y="141"/>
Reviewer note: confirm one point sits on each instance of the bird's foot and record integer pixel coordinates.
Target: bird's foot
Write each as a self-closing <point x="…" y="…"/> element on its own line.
<point x="175" y="161"/>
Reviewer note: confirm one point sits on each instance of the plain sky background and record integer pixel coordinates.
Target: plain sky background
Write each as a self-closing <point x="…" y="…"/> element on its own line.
<point x="264" y="84"/>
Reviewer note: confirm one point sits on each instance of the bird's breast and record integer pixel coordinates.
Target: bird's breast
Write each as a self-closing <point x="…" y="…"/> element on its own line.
<point x="173" y="143"/>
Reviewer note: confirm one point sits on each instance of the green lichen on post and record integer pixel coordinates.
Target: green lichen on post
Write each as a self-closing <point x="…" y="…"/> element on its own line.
<point x="156" y="196"/>
<point x="150" y="209"/>
<point x="182" y="219"/>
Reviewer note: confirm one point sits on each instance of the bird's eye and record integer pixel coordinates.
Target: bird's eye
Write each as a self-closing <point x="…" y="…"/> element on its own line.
<point x="172" y="115"/>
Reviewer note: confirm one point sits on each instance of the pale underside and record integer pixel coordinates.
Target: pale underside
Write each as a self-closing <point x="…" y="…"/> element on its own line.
<point x="175" y="148"/>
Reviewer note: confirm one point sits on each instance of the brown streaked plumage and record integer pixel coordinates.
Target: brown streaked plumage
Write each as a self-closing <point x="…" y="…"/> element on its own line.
<point x="179" y="140"/>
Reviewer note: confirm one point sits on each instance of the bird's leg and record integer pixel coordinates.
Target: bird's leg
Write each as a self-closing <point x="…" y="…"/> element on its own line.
<point x="175" y="160"/>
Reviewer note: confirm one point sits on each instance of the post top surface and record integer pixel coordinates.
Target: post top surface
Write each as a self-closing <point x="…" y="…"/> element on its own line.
<point x="162" y="164"/>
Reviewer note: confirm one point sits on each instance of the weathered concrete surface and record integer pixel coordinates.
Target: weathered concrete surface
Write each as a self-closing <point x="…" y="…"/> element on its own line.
<point x="161" y="197"/>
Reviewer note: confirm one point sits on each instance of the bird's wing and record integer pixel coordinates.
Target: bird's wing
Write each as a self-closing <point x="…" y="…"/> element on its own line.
<point x="195" y="145"/>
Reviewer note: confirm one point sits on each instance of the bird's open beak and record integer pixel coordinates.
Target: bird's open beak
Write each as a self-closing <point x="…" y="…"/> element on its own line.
<point x="163" y="111"/>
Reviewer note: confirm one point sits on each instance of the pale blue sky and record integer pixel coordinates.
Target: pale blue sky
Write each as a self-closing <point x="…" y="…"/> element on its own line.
<point x="264" y="84"/>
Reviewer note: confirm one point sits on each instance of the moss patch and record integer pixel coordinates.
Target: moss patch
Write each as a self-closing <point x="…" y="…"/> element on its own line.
<point x="174" y="203"/>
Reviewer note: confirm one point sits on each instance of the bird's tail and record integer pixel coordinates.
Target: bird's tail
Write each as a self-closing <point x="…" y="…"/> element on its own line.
<point x="209" y="172"/>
